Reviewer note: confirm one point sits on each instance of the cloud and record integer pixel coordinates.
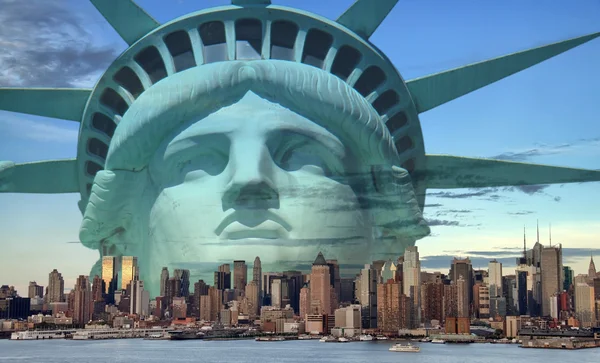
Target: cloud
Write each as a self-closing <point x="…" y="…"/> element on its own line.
<point x="21" y="127"/>
<point x="540" y="150"/>
<point x="434" y="205"/>
<point x="440" y="222"/>
<point x="522" y="213"/>
<point x="470" y="194"/>
<point x="45" y="43"/>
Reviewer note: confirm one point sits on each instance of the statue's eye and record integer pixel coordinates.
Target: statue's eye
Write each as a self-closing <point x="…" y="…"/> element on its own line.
<point x="211" y="161"/>
<point x="293" y="156"/>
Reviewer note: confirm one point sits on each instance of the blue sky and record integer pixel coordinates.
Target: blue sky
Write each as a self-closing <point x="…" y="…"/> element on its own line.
<point x="547" y="114"/>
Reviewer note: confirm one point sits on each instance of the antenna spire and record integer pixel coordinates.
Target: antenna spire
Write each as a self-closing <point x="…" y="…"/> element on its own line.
<point x="550" y="233"/>
<point x="538" y="231"/>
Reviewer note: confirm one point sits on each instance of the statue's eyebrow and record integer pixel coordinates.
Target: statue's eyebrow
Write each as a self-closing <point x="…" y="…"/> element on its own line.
<point x="323" y="137"/>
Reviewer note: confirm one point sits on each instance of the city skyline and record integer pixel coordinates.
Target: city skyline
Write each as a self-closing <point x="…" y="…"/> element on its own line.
<point x="463" y="222"/>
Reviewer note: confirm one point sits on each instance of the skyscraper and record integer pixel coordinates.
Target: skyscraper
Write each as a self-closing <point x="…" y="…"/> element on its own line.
<point x="367" y="296"/>
<point x="83" y="307"/>
<point x="56" y="287"/>
<point x="35" y="290"/>
<point x="252" y="298"/>
<point x="164" y="280"/>
<point x="592" y="268"/>
<point x="319" y="287"/>
<point x="412" y="283"/>
<point x="552" y="270"/>
<point x="334" y="276"/>
<point x="392" y="307"/>
<point x="139" y="299"/>
<point x="240" y="275"/>
<point x="462" y="298"/>
<point x="257" y="274"/>
<point x="183" y="276"/>
<point x="129" y="270"/>
<point x="222" y="277"/>
<point x="495" y="278"/>
<point x="464" y="268"/>
<point x="585" y="304"/>
<point x="97" y="289"/>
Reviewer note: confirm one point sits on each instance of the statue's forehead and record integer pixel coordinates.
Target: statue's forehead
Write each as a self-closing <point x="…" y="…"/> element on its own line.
<point x="251" y="117"/>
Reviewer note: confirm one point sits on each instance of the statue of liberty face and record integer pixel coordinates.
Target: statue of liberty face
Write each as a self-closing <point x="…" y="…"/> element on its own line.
<point x="235" y="160"/>
<point x="253" y="178"/>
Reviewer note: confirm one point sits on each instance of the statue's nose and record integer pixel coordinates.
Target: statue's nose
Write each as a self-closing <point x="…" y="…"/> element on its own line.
<point x="251" y="185"/>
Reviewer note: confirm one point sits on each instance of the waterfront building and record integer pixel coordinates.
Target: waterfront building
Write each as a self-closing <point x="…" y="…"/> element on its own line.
<point x="411" y="283"/>
<point x="82" y="301"/>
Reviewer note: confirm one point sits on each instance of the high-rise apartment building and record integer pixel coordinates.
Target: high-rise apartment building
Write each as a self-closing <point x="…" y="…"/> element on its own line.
<point x="164" y="280"/>
<point x="83" y="304"/>
<point x="411" y="283"/>
<point x="585" y="306"/>
<point x="56" y="287"/>
<point x="334" y="277"/>
<point x="252" y="297"/>
<point x="35" y="290"/>
<point x="240" y="275"/>
<point x="393" y="307"/>
<point x="432" y="302"/>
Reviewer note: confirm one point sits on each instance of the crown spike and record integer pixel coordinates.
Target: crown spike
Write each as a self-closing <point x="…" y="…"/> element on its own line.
<point x="449" y="172"/>
<point x="61" y="103"/>
<point x="48" y="177"/>
<point x="434" y="90"/>
<point x="364" y="16"/>
<point x="127" y="18"/>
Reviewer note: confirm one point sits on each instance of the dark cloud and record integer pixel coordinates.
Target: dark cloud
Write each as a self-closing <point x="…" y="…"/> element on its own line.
<point x="441" y="222"/>
<point x="45" y="43"/>
<point x="472" y="193"/>
<point x="557" y="199"/>
<point x="528" y="189"/>
<point x="434" y="205"/>
<point x="528" y="154"/>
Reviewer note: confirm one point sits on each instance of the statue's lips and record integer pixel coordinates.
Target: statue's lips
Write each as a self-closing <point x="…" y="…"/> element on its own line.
<point x="253" y="224"/>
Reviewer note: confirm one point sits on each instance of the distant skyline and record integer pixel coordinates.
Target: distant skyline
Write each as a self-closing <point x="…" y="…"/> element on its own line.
<point x="547" y="114"/>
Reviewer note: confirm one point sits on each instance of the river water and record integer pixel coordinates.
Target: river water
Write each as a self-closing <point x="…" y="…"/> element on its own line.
<point x="241" y="351"/>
